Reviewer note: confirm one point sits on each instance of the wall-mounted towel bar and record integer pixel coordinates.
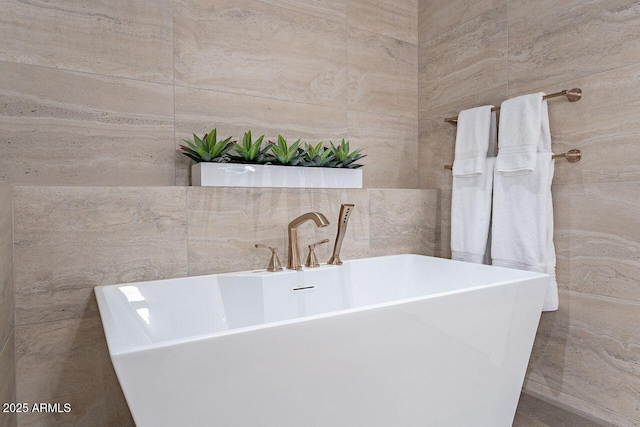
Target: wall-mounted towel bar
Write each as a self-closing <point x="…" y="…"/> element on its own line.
<point x="572" y="95"/>
<point x="572" y="156"/>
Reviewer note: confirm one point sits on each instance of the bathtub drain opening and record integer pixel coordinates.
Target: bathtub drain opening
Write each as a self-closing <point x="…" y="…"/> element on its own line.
<point x="303" y="288"/>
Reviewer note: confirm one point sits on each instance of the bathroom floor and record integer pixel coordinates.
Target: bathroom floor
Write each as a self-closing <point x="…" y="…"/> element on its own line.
<point x="534" y="412"/>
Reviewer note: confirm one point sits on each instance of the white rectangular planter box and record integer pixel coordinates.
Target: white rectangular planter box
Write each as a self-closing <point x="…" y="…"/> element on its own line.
<point x="242" y="175"/>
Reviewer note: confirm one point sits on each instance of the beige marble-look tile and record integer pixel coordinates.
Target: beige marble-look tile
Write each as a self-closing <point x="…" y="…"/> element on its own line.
<point x="66" y="128"/>
<point x="603" y="125"/>
<point x="534" y="412"/>
<point x="605" y="239"/>
<point x="397" y="19"/>
<point x="382" y="74"/>
<point x="70" y="239"/>
<point x="609" y="418"/>
<point x="468" y="59"/>
<point x="436" y="145"/>
<point x="589" y="349"/>
<point x="390" y="144"/>
<point x="437" y="138"/>
<point x="6" y="263"/>
<point x="570" y="39"/>
<point x="7" y="381"/>
<point x="225" y="223"/>
<point x="439" y="16"/>
<point x="524" y="420"/>
<point x="255" y="48"/>
<point x="333" y="10"/>
<point x="68" y="361"/>
<point x="403" y="221"/>
<point x="198" y="111"/>
<point x="114" y="38"/>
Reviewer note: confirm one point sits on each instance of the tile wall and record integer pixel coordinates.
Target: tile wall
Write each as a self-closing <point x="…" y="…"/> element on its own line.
<point x="474" y="53"/>
<point x="102" y="94"/>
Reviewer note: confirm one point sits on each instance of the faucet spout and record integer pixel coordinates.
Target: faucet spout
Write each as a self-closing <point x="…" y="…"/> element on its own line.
<point x="293" y="258"/>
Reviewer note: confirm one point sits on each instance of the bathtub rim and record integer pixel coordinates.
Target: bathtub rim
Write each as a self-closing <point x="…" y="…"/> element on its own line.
<point x="106" y="316"/>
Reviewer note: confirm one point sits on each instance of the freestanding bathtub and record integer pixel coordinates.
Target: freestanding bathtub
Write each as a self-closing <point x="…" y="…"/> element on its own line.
<point x="395" y="341"/>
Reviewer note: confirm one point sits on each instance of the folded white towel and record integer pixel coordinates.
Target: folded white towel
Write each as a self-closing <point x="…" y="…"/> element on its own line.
<point x="471" y="207"/>
<point x="472" y="141"/>
<point x="522" y="121"/>
<point x="522" y="228"/>
<point x="471" y="216"/>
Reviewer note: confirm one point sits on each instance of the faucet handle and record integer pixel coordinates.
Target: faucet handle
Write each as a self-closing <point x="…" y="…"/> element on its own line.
<point x="312" y="260"/>
<point x="274" y="262"/>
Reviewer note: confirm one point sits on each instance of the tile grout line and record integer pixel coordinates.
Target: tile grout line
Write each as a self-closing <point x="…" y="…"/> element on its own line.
<point x="87" y="73"/>
<point x="173" y="86"/>
<point x="186" y="220"/>
<point x="417" y="135"/>
<point x="558" y="408"/>
<point x="386" y="36"/>
<point x="65" y="319"/>
<point x="574" y="397"/>
<point x="347" y="115"/>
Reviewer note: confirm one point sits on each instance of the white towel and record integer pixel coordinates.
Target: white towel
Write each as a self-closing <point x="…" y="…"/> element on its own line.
<point x="472" y="138"/>
<point x="471" y="205"/>
<point x="522" y="227"/>
<point x="521" y="122"/>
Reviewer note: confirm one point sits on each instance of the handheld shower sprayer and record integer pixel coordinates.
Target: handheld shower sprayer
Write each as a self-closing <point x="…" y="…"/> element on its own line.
<point x="343" y="220"/>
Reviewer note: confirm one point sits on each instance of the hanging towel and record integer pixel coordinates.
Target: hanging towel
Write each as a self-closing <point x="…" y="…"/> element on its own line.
<point x="522" y="228"/>
<point x="471" y="197"/>
<point x="520" y="133"/>
<point x="472" y="138"/>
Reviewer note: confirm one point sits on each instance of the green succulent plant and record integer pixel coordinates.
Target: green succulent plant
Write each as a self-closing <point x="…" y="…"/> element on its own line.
<point x="345" y="159"/>
<point x="251" y="151"/>
<point x="285" y="154"/>
<point x="207" y="149"/>
<point x="318" y="156"/>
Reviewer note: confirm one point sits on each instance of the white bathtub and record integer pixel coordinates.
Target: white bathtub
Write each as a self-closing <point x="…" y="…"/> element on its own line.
<point x="395" y="341"/>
